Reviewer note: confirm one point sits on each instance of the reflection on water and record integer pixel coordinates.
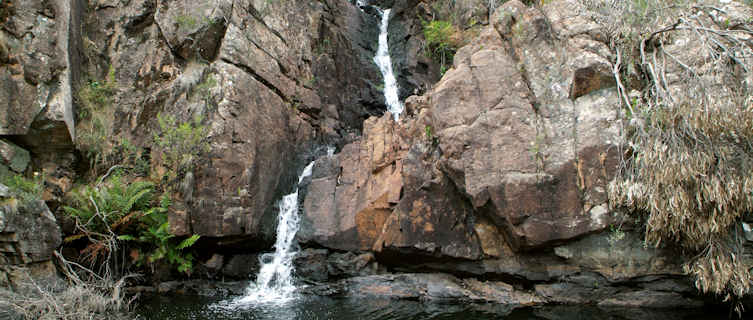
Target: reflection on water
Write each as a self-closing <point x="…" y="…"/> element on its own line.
<point x="316" y="308"/>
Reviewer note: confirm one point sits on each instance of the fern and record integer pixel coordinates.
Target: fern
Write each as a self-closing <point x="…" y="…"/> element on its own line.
<point x="188" y="242"/>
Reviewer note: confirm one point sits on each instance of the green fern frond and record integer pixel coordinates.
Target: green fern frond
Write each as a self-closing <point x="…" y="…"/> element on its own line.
<point x="188" y="242"/>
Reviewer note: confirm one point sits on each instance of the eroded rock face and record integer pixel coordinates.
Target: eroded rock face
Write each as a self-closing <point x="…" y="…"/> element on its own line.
<point x="268" y="77"/>
<point x="36" y="72"/>
<point x="193" y="28"/>
<point x="502" y="169"/>
<point x="28" y="233"/>
<point x="350" y="194"/>
<point x="509" y="151"/>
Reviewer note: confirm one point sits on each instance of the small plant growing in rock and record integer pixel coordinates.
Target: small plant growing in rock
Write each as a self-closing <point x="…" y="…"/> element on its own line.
<point x="440" y="40"/>
<point x="25" y="189"/>
<point x="185" y="22"/>
<point x="94" y="101"/>
<point x="181" y="144"/>
<point x="204" y="89"/>
<point x="96" y="94"/>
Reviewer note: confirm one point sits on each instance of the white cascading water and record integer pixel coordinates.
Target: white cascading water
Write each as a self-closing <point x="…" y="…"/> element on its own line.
<point x="384" y="62"/>
<point x="274" y="283"/>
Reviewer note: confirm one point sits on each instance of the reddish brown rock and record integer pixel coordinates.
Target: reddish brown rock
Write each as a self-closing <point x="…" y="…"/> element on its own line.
<point x="346" y="208"/>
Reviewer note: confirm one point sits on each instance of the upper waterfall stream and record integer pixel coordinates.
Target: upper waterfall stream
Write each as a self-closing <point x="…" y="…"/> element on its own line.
<point x="383" y="60"/>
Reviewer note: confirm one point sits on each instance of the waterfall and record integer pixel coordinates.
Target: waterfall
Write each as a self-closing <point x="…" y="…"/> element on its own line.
<point x="383" y="60"/>
<point x="274" y="283"/>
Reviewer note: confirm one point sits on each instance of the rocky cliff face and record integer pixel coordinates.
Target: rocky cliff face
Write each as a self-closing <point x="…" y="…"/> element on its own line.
<point x="501" y="171"/>
<point x="270" y="79"/>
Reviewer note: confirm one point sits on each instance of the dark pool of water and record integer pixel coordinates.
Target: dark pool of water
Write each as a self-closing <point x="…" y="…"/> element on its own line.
<point x="316" y="308"/>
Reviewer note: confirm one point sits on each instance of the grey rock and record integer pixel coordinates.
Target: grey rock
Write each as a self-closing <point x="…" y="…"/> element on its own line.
<point x="311" y="265"/>
<point x="194" y="28"/>
<point x="619" y="256"/>
<point x="651" y="299"/>
<point x="32" y="230"/>
<point x="13" y="156"/>
<point x="242" y="266"/>
<point x="36" y="85"/>
<point x="433" y="287"/>
<point x="4" y="191"/>
<point x="214" y="263"/>
<point x="2" y="220"/>
<point x="351" y="264"/>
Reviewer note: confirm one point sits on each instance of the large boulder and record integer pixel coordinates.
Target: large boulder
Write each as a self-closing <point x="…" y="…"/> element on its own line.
<point x="29" y="236"/>
<point x="351" y="194"/>
<point x="516" y="141"/>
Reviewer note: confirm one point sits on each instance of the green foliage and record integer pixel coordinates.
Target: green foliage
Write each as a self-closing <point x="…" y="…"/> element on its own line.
<point x="186" y="21"/>
<point x="180" y="144"/>
<point x="96" y="95"/>
<point x="323" y="47"/>
<point x="615" y="235"/>
<point x="310" y="82"/>
<point x="130" y="157"/>
<point x="24" y="189"/>
<point x="204" y="89"/>
<point x="99" y="209"/>
<point x="161" y="245"/>
<point x="430" y="136"/>
<point x="440" y="44"/>
<point x="95" y="99"/>
<point x="120" y="211"/>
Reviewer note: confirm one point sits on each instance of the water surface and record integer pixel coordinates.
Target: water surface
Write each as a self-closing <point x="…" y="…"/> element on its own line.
<point x="320" y="308"/>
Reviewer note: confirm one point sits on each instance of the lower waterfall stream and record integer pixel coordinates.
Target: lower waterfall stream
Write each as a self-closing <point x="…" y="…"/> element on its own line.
<point x="274" y="283"/>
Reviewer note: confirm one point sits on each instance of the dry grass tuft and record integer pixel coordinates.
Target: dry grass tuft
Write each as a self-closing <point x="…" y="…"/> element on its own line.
<point x="92" y="298"/>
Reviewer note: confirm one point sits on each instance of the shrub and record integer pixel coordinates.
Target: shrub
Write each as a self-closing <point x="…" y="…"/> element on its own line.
<point x="96" y="95"/>
<point x="688" y="168"/>
<point x="103" y="212"/>
<point x="78" y="302"/>
<point x="180" y="144"/>
<point x="94" y="102"/>
<point x="93" y="298"/>
<point x="440" y="42"/>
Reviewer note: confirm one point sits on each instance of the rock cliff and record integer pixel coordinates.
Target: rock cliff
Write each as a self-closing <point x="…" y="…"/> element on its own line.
<point x="498" y="171"/>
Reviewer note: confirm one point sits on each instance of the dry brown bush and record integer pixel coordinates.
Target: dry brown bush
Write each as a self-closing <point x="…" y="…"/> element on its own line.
<point x="93" y="297"/>
<point x="684" y="70"/>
